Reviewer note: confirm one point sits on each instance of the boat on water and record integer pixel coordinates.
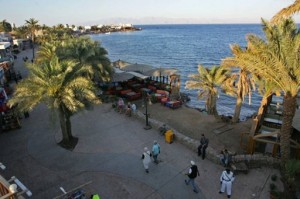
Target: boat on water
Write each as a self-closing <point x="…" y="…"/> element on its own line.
<point x="108" y="33"/>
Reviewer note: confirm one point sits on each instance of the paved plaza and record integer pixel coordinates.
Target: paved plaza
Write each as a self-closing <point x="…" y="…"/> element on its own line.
<point x="108" y="155"/>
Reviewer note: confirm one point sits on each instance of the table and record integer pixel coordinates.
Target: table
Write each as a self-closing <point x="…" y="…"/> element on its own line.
<point x="173" y="104"/>
<point x="147" y="90"/>
<point x="276" y="121"/>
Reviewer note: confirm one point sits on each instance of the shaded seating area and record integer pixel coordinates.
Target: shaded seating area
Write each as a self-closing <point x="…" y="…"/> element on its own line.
<point x="264" y="136"/>
<point x="132" y="81"/>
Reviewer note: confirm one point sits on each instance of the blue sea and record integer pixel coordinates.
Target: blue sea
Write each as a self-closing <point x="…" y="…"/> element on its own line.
<point x="184" y="47"/>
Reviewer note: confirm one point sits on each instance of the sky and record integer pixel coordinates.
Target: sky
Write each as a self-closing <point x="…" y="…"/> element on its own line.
<point x="137" y="12"/>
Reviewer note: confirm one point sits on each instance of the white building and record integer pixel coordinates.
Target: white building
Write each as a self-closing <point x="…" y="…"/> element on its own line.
<point x="87" y="27"/>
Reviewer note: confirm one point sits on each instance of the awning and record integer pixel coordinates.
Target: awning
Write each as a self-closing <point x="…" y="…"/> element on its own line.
<point x="120" y="75"/>
<point x="141" y="68"/>
<point x="138" y="75"/>
<point x="157" y="72"/>
<point x="4" y="45"/>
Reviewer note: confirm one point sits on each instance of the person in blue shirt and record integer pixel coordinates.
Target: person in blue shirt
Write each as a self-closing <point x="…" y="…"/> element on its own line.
<point x="155" y="151"/>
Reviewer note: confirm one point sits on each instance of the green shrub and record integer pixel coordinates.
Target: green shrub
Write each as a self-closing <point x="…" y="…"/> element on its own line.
<point x="273" y="187"/>
<point x="274" y="177"/>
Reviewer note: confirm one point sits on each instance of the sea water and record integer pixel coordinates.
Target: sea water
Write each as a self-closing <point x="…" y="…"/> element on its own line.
<point x="184" y="47"/>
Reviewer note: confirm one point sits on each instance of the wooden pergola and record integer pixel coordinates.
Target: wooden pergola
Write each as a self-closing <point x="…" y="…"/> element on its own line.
<point x="272" y="138"/>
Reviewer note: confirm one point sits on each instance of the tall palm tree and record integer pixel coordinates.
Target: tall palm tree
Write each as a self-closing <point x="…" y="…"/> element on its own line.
<point x="245" y="85"/>
<point x="208" y="82"/>
<point x="88" y="52"/>
<point x="276" y="59"/>
<point x="33" y="26"/>
<point x="287" y="12"/>
<point x="61" y="86"/>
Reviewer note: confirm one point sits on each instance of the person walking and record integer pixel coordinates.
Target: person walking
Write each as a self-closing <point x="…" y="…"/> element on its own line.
<point x="146" y="157"/>
<point x="155" y="151"/>
<point x="192" y="174"/>
<point x="226" y="180"/>
<point x="202" y="147"/>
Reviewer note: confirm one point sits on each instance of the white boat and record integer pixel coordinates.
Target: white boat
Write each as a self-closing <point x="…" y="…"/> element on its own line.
<point x="107" y="33"/>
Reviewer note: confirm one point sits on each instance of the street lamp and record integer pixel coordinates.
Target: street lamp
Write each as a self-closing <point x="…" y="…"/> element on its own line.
<point x="146" y="98"/>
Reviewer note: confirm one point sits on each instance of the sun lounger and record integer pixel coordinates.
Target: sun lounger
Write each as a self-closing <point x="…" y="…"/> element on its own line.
<point x="276" y="121"/>
<point x="173" y="104"/>
<point x="132" y="96"/>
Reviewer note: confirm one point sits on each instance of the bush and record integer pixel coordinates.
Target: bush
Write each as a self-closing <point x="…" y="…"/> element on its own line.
<point x="273" y="187"/>
<point x="274" y="177"/>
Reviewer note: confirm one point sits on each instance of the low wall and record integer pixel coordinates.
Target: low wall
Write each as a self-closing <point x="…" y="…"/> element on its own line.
<point x="253" y="161"/>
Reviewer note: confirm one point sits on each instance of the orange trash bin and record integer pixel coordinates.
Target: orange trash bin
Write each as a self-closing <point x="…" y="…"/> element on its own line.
<point x="169" y="136"/>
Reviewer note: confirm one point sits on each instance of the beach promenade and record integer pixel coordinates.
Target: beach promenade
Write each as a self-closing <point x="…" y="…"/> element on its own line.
<point x="109" y="154"/>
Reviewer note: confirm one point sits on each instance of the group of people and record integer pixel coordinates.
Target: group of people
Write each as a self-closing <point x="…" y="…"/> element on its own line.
<point x="225" y="157"/>
<point x="146" y="156"/>
<point x="226" y="178"/>
<point x="129" y="109"/>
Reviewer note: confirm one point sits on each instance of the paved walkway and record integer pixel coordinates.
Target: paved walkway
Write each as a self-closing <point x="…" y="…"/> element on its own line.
<point x="109" y="154"/>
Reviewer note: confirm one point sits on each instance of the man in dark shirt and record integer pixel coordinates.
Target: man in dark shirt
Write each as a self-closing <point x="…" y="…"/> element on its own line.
<point x="192" y="174"/>
<point x="202" y="147"/>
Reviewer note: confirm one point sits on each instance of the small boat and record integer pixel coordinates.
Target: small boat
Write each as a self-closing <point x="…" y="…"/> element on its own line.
<point x="107" y="33"/>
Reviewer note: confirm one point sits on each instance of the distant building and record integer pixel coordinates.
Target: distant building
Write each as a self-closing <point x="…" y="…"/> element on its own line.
<point x="87" y="27"/>
<point x="127" y="25"/>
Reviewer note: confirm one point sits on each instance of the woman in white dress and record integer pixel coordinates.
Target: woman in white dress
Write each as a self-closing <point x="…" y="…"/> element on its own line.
<point x="146" y="157"/>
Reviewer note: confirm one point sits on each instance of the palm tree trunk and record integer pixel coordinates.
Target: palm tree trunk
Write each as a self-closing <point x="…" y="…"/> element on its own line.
<point x="263" y="107"/>
<point x="239" y="100"/>
<point x="238" y="108"/>
<point x="32" y="39"/>
<point x="289" y="108"/>
<point x="63" y="125"/>
<point x="211" y="104"/>
<point x="69" y="127"/>
<point x="257" y="121"/>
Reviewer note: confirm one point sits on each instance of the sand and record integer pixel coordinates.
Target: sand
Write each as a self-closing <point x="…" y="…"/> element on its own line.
<point x="193" y="123"/>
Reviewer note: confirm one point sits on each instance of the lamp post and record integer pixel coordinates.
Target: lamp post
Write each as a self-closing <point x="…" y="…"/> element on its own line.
<point x="146" y="98"/>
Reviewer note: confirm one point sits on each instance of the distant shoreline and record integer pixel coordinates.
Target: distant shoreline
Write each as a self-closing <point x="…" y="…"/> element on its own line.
<point x="110" y="30"/>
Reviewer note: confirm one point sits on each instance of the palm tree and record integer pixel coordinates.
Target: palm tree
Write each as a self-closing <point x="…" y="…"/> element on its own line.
<point x="276" y="59"/>
<point x="88" y="52"/>
<point x="33" y="26"/>
<point x="5" y="26"/>
<point x="61" y="86"/>
<point x="60" y="26"/>
<point x="21" y="32"/>
<point x="207" y="81"/>
<point x="287" y="12"/>
<point x="266" y="89"/>
<point x="245" y="85"/>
